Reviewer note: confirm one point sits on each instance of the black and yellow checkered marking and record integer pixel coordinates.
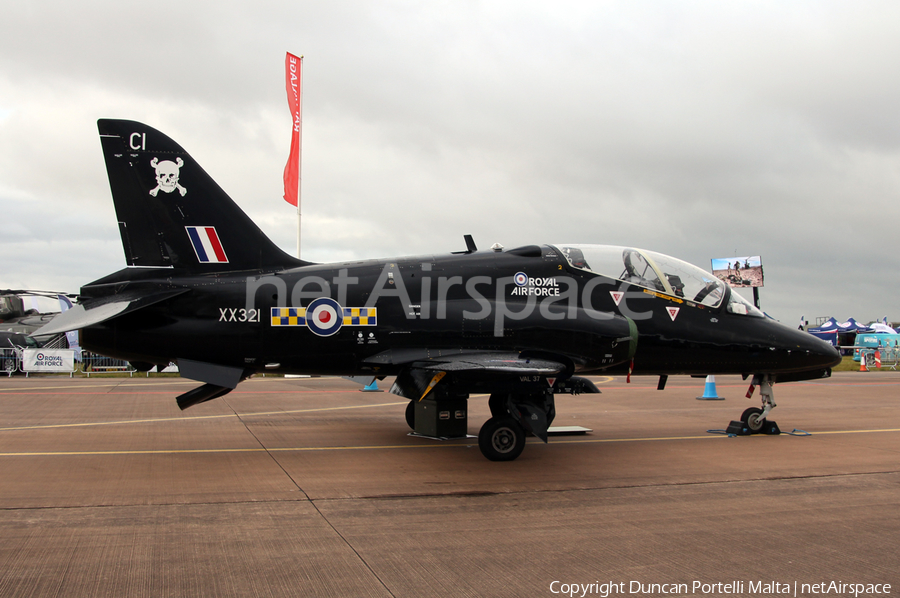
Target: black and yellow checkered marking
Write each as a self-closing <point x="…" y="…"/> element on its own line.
<point x="288" y="316"/>
<point x="360" y="316"/>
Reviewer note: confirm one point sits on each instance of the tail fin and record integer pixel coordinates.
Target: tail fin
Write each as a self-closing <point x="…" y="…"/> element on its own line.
<point x="171" y="213"/>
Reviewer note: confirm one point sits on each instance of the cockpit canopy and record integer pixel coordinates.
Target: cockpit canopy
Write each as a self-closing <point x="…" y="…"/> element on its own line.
<point x="655" y="271"/>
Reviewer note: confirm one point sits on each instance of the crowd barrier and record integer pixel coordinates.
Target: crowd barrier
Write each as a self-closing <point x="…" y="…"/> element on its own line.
<point x="11" y="361"/>
<point x="885" y="358"/>
<point x="101" y="364"/>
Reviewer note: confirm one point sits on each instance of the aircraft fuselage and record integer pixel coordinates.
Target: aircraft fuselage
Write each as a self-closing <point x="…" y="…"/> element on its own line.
<point x="438" y="305"/>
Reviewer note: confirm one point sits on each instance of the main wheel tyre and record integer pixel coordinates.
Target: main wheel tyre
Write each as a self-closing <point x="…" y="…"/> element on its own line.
<point x="751" y="417"/>
<point x="411" y="415"/>
<point x="501" y="439"/>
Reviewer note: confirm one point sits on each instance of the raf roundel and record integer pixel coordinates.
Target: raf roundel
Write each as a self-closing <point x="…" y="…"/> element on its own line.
<point x="521" y="279"/>
<point x="324" y="316"/>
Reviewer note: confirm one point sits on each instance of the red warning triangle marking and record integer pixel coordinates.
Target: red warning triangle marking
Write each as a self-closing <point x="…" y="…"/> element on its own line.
<point x="551" y="381"/>
<point x="673" y="312"/>
<point x="617" y="296"/>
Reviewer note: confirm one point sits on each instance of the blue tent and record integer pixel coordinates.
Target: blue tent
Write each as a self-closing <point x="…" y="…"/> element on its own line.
<point x="852" y="325"/>
<point x="830" y="330"/>
<point x="830" y="326"/>
<point x="827" y="332"/>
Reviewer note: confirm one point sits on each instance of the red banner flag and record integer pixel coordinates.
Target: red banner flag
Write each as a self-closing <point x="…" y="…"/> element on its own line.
<point x="292" y="66"/>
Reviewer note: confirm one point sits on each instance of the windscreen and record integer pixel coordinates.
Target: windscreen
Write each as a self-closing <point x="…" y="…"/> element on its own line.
<point x="648" y="269"/>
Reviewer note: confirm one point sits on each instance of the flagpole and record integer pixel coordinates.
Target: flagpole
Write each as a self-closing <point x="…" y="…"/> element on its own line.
<point x="293" y="82"/>
<point x="300" y="159"/>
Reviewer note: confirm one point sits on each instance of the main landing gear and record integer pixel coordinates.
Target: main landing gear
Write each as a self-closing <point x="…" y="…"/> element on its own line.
<point x="754" y="419"/>
<point x="513" y="417"/>
<point x="517" y="411"/>
<point x="502" y="437"/>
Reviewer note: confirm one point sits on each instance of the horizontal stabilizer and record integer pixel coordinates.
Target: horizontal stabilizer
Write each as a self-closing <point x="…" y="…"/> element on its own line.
<point x="201" y="394"/>
<point x="220" y="380"/>
<point x="211" y="373"/>
<point x="102" y="309"/>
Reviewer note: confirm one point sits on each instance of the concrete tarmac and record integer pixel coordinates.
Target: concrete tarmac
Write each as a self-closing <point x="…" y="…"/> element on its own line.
<point x="309" y="487"/>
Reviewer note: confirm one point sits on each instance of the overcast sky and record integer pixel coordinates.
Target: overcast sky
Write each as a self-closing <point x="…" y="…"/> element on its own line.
<point x="700" y="129"/>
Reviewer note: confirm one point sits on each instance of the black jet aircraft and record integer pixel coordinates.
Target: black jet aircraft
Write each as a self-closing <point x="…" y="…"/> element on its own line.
<point x="204" y="287"/>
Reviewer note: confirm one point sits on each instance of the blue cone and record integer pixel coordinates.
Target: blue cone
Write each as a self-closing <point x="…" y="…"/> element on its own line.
<point x="709" y="391"/>
<point x="373" y="387"/>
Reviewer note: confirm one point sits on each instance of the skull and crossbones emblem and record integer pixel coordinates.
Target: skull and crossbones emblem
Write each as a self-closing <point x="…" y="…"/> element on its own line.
<point x="167" y="173"/>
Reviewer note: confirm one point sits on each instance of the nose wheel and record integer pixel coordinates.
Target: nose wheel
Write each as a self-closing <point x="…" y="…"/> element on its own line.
<point x="753" y="419"/>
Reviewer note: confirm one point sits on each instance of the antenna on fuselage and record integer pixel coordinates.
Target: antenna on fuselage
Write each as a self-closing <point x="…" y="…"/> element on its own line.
<point x="470" y="245"/>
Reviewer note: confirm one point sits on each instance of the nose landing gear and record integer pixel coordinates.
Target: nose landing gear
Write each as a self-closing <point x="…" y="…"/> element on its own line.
<point x="754" y="418"/>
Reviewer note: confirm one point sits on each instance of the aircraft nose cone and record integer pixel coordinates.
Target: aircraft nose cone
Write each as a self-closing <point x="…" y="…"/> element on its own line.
<point x="821" y="353"/>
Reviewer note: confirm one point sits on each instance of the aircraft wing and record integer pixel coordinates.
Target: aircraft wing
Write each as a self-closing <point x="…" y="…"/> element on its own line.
<point x="105" y="308"/>
<point x="510" y="363"/>
<point x="421" y="375"/>
<point x="458" y="359"/>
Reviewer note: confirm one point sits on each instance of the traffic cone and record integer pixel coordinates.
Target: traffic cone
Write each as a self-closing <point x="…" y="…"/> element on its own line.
<point x="373" y="387"/>
<point x="709" y="391"/>
<point x="862" y="362"/>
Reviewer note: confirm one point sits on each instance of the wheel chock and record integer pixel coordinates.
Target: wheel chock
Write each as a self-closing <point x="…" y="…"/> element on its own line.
<point x="737" y="428"/>
<point x="770" y="428"/>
